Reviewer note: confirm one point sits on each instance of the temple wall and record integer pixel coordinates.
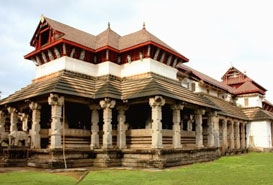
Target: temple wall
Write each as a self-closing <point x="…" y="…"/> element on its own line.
<point x="259" y="134"/>
<point x="254" y="101"/>
<point x="105" y="68"/>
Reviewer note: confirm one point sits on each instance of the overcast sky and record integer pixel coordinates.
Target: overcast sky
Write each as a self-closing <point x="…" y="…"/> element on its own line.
<point x="213" y="34"/>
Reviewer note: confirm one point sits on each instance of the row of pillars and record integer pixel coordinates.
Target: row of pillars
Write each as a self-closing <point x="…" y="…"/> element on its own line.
<point x="156" y="103"/>
<point x="15" y="115"/>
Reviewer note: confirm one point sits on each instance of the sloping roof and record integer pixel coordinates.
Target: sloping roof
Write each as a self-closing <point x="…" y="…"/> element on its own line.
<point x="108" y="38"/>
<point x="248" y="87"/>
<point x="156" y="85"/>
<point x="257" y="114"/>
<point x="73" y="34"/>
<point x="63" y="82"/>
<point x="144" y="36"/>
<point x="75" y="84"/>
<point x="241" y="80"/>
<point x="227" y="109"/>
<point x="205" y="78"/>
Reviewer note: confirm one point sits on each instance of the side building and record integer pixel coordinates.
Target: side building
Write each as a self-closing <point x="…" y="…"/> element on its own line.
<point x="111" y="100"/>
<point x="250" y="96"/>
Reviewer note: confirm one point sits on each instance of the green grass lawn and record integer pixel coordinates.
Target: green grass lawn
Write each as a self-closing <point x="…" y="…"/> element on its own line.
<point x="250" y="169"/>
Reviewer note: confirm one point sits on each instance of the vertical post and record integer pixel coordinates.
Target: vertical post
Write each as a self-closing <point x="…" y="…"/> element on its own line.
<point x="13" y="119"/>
<point x="107" y="105"/>
<point x="122" y="127"/>
<point x="176" y="125"/>
<point x="237" y="134"/>
<point x="211" y="129"/>
<point x="156" y="104"/>
<point x="216" y="132"/>
<point x="189" y="123"/>
<point x="35" y="128"/>
<point x="224" y="135"/>
<point x="243" y="135"/>
<point x="231" y="135"/>
<point x="94" y="126"/>
<point x="24" y="118"/>
<point x="198" y="127"/>
<point x="56" y="103"/>
<point x="2" y="121"/>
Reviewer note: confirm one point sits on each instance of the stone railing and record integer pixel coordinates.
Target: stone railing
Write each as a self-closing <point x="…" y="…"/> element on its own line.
<point x="139" y="138"/>
<point x="68" y="132"/>
<point x="188" y="138"/>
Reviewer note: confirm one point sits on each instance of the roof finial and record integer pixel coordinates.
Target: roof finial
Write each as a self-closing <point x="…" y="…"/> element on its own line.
<point x="42" y="18"/>
<point x="143" y="25"/>
<point x="231" y="65"/>
<point x="109" y="25"/>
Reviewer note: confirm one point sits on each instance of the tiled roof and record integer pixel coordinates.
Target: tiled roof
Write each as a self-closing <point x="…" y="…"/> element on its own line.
<point x="205" y="78"/>
<point x="257" y="113"/>
<point x="248" y="87"/>
<point x="227" y="109"/>
<point x="239" y="80"/>
<point x="75" y="84"/>
<point x="154" y="84"/>
<point x="73" y="34"/>
<point x="62" y="82"/>
<point x="143" y="36"/>
<point x="110" y="38"/>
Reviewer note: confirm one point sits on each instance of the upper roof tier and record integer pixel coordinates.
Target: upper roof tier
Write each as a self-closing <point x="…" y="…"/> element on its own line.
<point x="241" y="83"/>
<point x="50" y="33"/>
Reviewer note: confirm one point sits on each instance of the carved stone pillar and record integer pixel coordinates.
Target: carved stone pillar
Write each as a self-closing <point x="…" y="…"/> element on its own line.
<point x="176" y="125"/>
<point x="243" y="135"/>
<point x="216" y="132"/>
<point x="156" y="104"/>
<point x="2" y="121"/>
<point x="107" y="106"/>
<point x="212" y="121"/>
<point x="231" y="135"/>
<point x="13" y="119"/>
<point x="237" y="134"/>
<point x="210" y="130"/>
<point x="56" y="103"/>
<point x="189" y="123"/>
<point x="94" y="126"/>
<point x="24" y="118"/>
<point x="35" y="128"/>
<point x="224" y="135"/>
<point x="198" y="127"/>
<point x="122" y="127"/>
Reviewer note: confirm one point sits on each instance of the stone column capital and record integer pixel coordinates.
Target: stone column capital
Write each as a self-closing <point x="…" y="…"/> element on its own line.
<point x="34" y="106"/>
<point x="23" y="116"/>
<point x="157" y="101"/>
<point x="2" y="113"/>
<point x="199" y="112"/>
<point x="12" y="110"/>
<point x="123" y="107"/>
<point x="177" y="107"/>
<point x="94" y="106"/>
<point x="212" y="113"/>
<point x="107" y="103"/>
<point x="55" y="99"/>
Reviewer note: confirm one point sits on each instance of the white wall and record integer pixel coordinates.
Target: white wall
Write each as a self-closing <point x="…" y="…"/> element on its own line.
<point x="253" y="101"/>
<point x="258" y="134"/>
<point x="104" y="68"/>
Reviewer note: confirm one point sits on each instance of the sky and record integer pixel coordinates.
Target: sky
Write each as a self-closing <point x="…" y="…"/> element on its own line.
<point x="213" y="34"/>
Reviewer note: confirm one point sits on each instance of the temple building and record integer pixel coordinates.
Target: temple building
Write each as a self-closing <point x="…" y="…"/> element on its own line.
<point x="109" y="100"/>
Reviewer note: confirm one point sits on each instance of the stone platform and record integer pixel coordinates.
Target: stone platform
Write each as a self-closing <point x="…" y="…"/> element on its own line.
<point x="104" y="158"/>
